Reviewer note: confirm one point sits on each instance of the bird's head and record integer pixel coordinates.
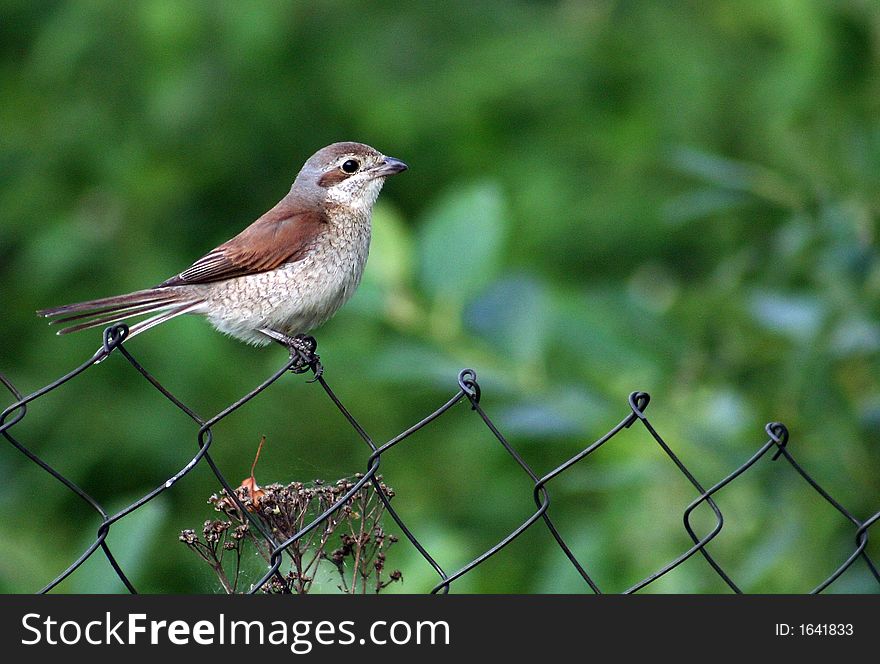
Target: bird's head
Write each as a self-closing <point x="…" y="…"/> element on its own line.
<point x="349" y="174"/>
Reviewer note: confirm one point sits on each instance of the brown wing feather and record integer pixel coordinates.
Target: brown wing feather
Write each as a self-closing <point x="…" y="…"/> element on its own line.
<point x="283" y="235"/>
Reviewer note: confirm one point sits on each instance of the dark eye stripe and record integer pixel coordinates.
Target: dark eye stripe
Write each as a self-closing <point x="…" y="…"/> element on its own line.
<point x="330" y="178"/>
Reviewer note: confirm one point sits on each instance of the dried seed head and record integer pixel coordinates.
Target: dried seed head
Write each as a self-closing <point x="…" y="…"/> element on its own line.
<point x="188" y="537"/>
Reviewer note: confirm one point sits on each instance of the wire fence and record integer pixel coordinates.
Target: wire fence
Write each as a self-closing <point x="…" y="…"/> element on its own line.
<point x="468" y="389"/>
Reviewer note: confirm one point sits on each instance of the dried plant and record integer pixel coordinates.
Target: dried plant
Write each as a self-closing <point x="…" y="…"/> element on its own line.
<point x="359" y="558"/>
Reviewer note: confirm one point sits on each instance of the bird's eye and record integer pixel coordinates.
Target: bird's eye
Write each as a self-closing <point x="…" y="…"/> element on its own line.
<point x="350" y="166"/>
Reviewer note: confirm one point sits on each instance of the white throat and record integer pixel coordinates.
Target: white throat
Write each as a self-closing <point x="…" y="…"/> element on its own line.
<point x="355" y="194"/>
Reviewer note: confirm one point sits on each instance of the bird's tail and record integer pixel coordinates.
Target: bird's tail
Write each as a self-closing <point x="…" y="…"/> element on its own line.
<point x="164" y="303"/>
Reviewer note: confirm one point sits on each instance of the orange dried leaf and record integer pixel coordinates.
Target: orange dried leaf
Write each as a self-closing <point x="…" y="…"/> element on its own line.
<point x="250" y="483"/>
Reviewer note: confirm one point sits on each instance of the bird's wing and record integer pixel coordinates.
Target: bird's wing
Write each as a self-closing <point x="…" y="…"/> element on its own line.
<point x="283" y="235"/>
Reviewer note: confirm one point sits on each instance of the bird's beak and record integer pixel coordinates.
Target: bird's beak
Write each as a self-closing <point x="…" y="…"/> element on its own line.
<point x="389" y="166"/>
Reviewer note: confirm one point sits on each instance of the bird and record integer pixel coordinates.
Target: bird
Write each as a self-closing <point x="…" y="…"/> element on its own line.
<point x="284" y="275"/>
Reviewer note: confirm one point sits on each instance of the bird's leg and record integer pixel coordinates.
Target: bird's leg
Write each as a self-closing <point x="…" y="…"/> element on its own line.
<point x="302" y="349"/>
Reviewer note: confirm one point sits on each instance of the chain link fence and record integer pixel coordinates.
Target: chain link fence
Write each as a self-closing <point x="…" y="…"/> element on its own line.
<point x="468" y="390"/>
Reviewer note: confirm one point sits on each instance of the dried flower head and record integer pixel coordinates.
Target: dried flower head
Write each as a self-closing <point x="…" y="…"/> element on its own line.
<point x="284" y="511"/>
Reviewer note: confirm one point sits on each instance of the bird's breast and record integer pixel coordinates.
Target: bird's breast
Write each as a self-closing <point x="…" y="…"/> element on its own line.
<point x="298" y="296"/>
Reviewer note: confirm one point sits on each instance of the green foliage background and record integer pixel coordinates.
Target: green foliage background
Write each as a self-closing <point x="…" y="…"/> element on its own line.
<point x="606" y="196"/>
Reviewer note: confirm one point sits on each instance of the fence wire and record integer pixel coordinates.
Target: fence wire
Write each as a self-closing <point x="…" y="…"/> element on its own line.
<point x="468" y="389"/>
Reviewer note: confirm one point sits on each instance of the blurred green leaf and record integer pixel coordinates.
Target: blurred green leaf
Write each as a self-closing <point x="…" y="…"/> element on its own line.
<point x="461" y="240"/>
<point x="132" y="541"/>
<point x="797" y="315"/>
<point x="515" y="313"/>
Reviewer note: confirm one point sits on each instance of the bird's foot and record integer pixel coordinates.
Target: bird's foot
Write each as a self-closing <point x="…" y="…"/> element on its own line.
<point x="302" y="352"/>
<point x="302" y="349"/>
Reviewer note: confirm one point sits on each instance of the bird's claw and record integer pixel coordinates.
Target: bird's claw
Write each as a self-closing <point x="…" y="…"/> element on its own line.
<point x="304" y="357"/>
<point x="318" y="370"/>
